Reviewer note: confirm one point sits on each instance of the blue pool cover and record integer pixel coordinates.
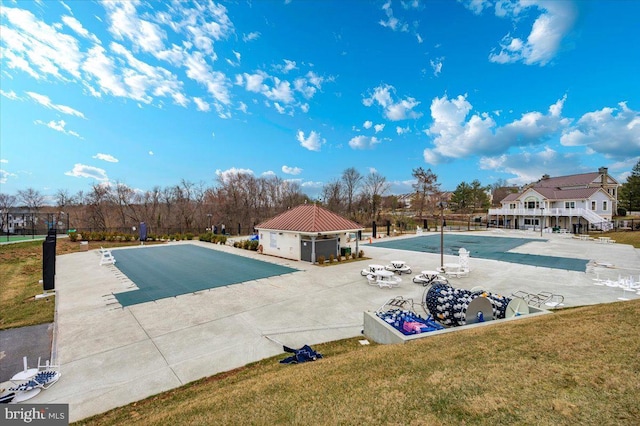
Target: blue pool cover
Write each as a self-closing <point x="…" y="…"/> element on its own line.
<point x="495" y="248"/>
<point x="167" y="271"/>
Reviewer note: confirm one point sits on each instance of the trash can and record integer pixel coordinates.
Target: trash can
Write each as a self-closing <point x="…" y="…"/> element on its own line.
<point x="345" y="251"/>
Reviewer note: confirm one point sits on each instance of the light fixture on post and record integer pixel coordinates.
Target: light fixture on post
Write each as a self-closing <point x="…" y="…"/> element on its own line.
<point x="541" y="219"/>
<point x="441" y="236"/>
<point x="209" y="216"/>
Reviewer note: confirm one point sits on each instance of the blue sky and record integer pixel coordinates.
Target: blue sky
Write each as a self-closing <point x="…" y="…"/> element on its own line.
<point x="149" y="93"/>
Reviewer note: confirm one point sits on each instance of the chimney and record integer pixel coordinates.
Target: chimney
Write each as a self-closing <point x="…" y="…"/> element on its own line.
<point x="603" y="175"/>
<point x="545" y="176"/>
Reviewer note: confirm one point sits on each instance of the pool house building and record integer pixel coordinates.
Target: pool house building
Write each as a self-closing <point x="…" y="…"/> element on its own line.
<point x="307" y="232"/>
<point x="574" y="203"/>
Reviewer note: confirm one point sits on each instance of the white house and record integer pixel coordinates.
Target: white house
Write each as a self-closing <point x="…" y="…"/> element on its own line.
<point x="571" y="202"/>
<point x="306" y="232"/>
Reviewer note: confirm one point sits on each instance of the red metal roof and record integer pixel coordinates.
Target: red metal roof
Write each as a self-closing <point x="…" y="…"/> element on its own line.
<point x="309" y="218"/>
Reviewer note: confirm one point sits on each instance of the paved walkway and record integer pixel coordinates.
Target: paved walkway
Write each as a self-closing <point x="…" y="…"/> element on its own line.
<point x="111" y="356"/>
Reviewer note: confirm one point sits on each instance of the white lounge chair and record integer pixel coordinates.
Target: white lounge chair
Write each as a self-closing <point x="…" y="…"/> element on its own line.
<point x="106" y="257"/>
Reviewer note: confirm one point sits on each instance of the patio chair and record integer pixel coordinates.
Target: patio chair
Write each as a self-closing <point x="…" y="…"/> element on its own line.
<point x="391" y="282"/>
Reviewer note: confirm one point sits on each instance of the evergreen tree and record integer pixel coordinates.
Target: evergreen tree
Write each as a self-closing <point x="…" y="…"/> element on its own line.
<point x="630" y="191"/>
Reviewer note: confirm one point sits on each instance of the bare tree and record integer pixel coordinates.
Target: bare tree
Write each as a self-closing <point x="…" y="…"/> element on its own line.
<point x="351" y="179"/>
<point x="375" y="185"/>
<point x="6" y="202"/>
<point x="32" y="199"/>
<point x="98" y="201"/>
<point x="332" y="196"/>
<point x="123" y="198"/>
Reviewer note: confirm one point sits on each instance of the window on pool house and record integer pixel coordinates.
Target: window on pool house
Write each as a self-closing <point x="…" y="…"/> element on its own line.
<point x="604" y="206"/>
<point x="569" y="204"/>
<point x="593" y="205"/>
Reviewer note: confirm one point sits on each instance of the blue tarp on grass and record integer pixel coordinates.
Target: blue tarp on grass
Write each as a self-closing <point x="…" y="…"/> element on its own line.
<point x="495" y="248"/>
<point x="168" y="271"/>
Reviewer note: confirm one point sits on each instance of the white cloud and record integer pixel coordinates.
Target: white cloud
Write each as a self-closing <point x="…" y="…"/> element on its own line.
<point x="201" y="104"/>
<point x="76" y="26"/>
<point x="279" y="108"/>
<point x="436" y="65"/>
<point x="614" y="132"/>
<point x="226" y="175"/>
<point x="145" y="81"/>
<point x="98" y="65"/>
<point x="46" y="102"/>
<point x="10" y="95"/>
<point x="281" y="91"/>
<point x="288" y="66"/>
<point x="367" y="124"/>
<point x="302" y="86"/>
<point x="37" y="48"/>
<point x="58" y="126"/>
<point x="251" y="36"/>
<point x="151" y="153"/>
<point x="202" y="25"/>
<point x="5" y="175"/>
<point x="309" y="184"/>
<point x="82" y="170"/>
<point x="127" y="25"/>
<point x="477" y="6"/>
<point x="455" y="136"/>
<point x="291" y="170"/>
<point x="402" y="130"/>
<point x="216" y="82"/>
<point x="313" y="143"/>
<point x="392" y="22"/>
<point x="555" y="21"/>
<point x="527" y="167"/>
<point x="363" y="142"/>
<point x="378" y="128"/>
<point x="4" y="160"/>
<point x="106" y="157"/>
<point x="394" y="111"/>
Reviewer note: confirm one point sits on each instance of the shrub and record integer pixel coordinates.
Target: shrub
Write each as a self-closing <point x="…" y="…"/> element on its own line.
<point x="222" y="240"/>
<point x="253" y="245"/>
<point x="354" y="255"/>
<point x="361" y="254"/>
<point x="321" y="260"/>
<point x="205" y="237"/>
<point x="331" y="258"/>
<point x="339" y="258"/>
<point x="188" y="236"/>
<point x="73" y="236"/>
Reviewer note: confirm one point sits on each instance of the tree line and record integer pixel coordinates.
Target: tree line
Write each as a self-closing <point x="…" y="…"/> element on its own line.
<point x="242" y="200"/>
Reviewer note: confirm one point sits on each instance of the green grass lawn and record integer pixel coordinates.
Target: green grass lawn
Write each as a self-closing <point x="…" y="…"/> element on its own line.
<point x="574" y="367"/>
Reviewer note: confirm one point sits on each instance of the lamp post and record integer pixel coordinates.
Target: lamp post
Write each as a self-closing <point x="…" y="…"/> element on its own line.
<point x="441" y="205"/>
<point x="541" y="219"/>
<point x="209" y="216"/>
